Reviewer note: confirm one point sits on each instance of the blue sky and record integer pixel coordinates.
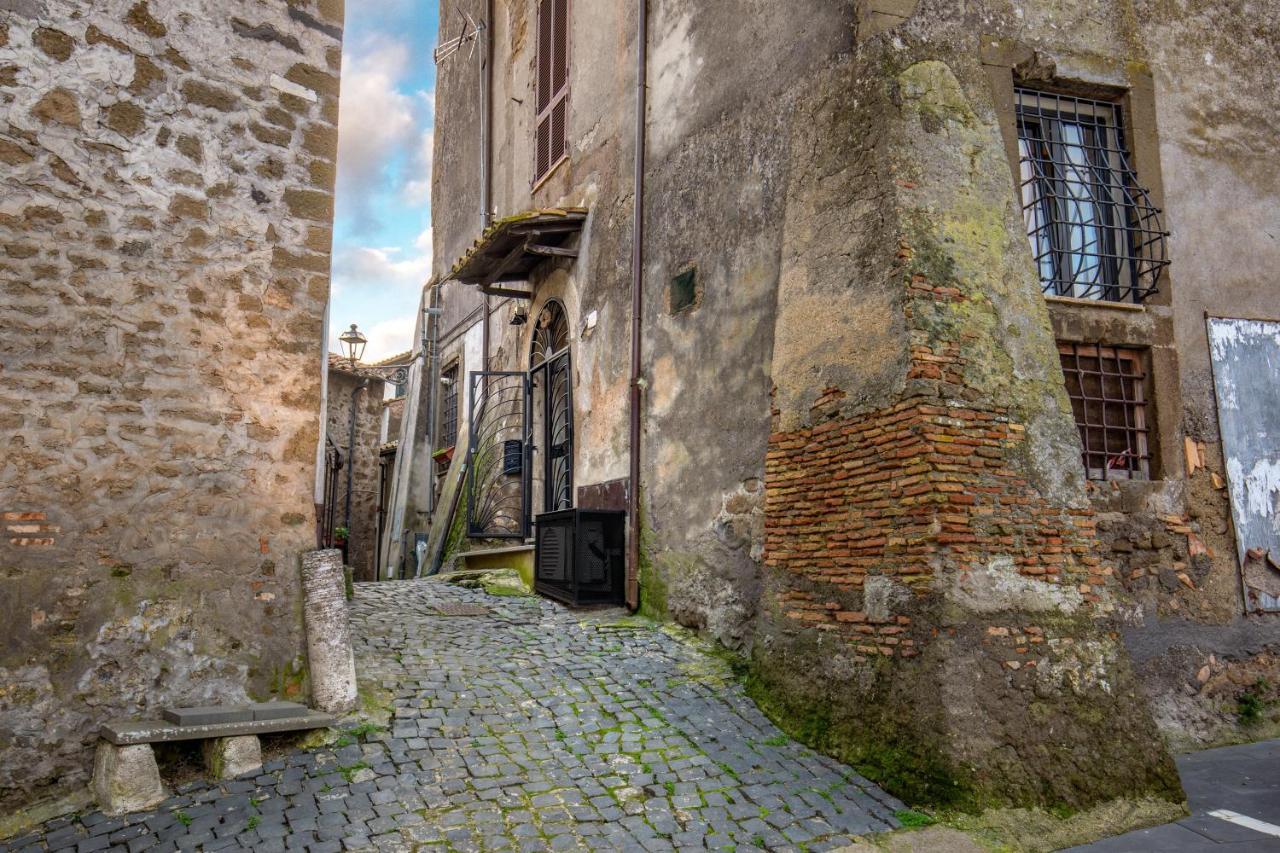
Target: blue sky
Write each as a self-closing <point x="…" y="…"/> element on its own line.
<point x="382" y="229"/>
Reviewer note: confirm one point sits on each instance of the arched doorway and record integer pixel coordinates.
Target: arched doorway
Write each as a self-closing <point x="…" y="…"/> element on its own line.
<point x="551" y="389"/>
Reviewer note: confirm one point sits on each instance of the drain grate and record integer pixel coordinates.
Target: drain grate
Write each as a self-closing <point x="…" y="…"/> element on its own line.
<point x="460" y="609"/>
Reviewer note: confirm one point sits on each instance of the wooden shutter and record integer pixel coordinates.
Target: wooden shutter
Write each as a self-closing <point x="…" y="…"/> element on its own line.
<point x="551" y="137"/>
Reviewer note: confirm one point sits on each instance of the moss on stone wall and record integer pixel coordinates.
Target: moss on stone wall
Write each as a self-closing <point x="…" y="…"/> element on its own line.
<point x="653" y="585"/>
<point x="868" y="737"/>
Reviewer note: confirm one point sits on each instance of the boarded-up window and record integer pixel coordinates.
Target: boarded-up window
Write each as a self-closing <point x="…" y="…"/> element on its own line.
<point x="1107" y="387"/>
<point x="1246" y="379"/>
<point x="551" y="142"/>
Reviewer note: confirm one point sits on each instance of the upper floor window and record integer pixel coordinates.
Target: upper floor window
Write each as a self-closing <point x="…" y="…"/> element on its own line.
<point x="1093" y="230"/>
<point x="551" y="137"/>
<point x="448" y="408"/>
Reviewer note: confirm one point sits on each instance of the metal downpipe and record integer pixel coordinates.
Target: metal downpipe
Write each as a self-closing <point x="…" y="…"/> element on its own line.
<point x="637" y="306"/>
<point x="486" y="155"/>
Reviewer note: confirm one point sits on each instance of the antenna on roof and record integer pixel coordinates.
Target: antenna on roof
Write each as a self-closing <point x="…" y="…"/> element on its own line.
<point x="468" y="34"/>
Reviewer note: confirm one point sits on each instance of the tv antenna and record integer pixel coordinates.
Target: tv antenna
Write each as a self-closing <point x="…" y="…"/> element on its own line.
<point x="468" y="34"/>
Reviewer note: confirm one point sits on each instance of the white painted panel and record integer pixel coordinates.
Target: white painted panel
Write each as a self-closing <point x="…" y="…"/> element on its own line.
<point x="1246" y="374"/>
<point x="472" y="360"/>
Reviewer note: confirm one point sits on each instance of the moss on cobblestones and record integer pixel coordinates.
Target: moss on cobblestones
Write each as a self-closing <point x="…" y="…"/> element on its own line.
<point x="531" y="726"/>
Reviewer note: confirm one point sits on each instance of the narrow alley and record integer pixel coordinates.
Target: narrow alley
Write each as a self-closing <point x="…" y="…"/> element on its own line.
<point x="519" y="725"/>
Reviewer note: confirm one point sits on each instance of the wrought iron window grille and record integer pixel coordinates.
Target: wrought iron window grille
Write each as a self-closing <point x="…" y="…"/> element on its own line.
<point x="1108" y="390"/>
<point x="449" y="409"/>
<point x="1093" y="230"/>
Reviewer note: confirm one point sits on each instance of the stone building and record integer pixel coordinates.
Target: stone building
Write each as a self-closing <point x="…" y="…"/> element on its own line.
<point x="164" y="269"/>
<point x="354" y="438"/>
<point x="925" y="408"/>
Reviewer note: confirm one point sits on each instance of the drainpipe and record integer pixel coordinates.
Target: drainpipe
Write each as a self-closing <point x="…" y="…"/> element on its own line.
<point x="431" y="375"/>
<point x="486" y="154"/>
<point x="351" y="461"/>
<point x="637" y="306"/>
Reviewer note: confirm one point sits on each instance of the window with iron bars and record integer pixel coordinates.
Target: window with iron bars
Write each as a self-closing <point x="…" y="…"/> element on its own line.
<point x="448" y="408"/>
<point x="1108" y="391"/>
<point x="1093" y="230"/>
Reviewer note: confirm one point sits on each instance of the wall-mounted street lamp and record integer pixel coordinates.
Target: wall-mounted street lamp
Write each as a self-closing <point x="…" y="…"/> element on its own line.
<point x="353" y="344"/>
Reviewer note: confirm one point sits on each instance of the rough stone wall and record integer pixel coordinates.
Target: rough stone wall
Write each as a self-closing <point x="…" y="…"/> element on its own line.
<point x="164" y="257"/>
<point x="362" y="546"/>
<point x="395" y="418"/>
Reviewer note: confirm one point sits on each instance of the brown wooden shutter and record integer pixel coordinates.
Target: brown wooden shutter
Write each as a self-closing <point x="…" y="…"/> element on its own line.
<point x="551" y="137"/>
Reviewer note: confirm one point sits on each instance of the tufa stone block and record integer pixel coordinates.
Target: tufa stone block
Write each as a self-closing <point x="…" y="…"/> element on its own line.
<point x="208" y="715"/>
<point x="126" y="778"/>
<point x="229" y="757"/>
<point x="278" y="710"/>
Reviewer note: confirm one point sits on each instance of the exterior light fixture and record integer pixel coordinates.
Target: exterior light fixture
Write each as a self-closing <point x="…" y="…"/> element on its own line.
<point x="353" y="344"/>
<point x="520" y="317"/>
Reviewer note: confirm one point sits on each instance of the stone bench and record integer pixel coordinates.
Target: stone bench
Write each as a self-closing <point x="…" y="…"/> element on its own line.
<point x="126" y="777"/>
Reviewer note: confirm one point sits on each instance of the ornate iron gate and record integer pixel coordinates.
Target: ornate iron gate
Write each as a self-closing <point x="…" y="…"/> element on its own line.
<point x="497" y="455"/>
<point x="551" y="383"/>
<point x="557" y="438"/>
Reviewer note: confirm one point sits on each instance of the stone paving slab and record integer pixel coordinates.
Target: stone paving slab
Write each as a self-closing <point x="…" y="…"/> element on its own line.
<point x="531" y="728"/>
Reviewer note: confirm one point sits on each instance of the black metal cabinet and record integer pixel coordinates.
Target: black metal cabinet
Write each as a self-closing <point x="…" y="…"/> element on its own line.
<point x="580" y="556"/>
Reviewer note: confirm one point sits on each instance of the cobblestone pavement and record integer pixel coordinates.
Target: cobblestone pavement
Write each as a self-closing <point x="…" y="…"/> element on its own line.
<point x="528" y="727"/>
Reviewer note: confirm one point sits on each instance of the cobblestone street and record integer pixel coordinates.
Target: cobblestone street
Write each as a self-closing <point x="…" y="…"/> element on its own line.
<point x="518" y="725"/>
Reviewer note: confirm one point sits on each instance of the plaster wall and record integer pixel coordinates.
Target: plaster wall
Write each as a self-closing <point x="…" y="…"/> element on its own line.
<point x="1218" y="142"/>
<point x="1199" y="127"/>
<point x="165" y="233"/>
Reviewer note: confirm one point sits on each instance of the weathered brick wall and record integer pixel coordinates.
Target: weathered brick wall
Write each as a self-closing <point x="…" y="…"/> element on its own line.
<point x="926" y="486"/>
<point x="909" y="544"/>
<point x="362" y="545"/>
<point x="164" y="254"/>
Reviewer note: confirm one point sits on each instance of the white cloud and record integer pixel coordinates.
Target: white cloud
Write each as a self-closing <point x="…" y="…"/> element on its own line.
<point x="423" y="243"/>
<point x="378" y="271"/>
<point x="417" y="189"/>
<point x="376" y="122"/>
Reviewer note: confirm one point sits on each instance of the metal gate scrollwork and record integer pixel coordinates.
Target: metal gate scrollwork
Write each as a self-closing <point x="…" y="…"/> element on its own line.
<point x="497" y="493"/>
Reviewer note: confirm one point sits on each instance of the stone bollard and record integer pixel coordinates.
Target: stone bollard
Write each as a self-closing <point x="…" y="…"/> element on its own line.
<point x="229" y="757"/>
<point x="329" y="653"/>
<point x="126" y="778"/>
